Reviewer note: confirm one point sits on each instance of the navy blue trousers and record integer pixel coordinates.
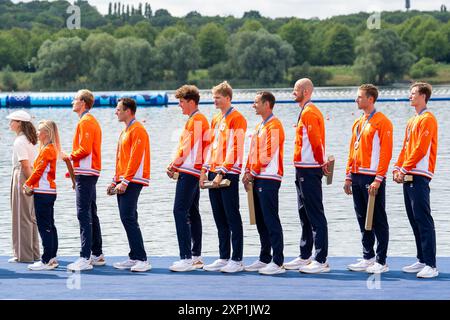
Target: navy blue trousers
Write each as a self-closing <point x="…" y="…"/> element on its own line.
<point x="43" y="206"/>
<point x="129" y="216"/>
<point x="265" y="194"/>
<point x="187" y="216"/>
<point x="225" y="207"/>
<point x="311" y="212"/>
<point x="90" y="232"/>
<point x="417" y="203"/>
<point x="380" y="227"/>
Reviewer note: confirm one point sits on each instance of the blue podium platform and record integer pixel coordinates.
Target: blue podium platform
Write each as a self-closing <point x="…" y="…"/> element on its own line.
<point x="161" y="284"/>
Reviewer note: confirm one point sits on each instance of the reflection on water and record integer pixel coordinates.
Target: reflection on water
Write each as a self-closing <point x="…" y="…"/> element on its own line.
<point x="156" y="201"/>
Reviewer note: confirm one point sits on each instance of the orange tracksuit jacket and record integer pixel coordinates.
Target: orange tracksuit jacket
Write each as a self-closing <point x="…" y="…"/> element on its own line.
<point x="265" y="158"/>
<point x="309" y="150"/>
<point x="419" y="151"/>
<point x="226" y="149"/>
<point x="192" y="146"/>
<point x="374" y="149"/>
<point x="42" y="180"/>
<point x="133" y="155"/>
<point x="86" y="154"/>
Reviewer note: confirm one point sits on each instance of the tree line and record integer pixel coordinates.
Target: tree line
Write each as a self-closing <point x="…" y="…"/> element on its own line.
<point x="133" y="47"/>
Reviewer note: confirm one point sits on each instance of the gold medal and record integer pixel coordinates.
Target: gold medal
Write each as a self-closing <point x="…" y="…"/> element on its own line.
<point x="356" y="145"/>
<point x="222" y="126"/>
<point x="215" y="145"/>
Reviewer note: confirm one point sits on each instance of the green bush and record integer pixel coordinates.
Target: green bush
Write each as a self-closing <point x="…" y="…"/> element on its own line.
<point x="318" y="75"/>
<point x="425" y="67"/>
<point x="8" y="80"/>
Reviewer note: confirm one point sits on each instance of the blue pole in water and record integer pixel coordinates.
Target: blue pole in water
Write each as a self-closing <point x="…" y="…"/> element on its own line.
<point x="61" y="100"/>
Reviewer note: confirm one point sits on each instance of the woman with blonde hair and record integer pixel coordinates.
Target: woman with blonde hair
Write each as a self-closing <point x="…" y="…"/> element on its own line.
<point x="41" y="183"/>
<point x="25" y="239"/>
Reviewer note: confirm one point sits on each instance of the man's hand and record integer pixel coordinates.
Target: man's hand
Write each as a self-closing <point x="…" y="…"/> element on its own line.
<point x="325" y="169"/>
<point x="170" y="171"/>
<point x="217" y="180"/>
<point x="373" y="188"/>
<point x="398" y="177"/>
<point x="65" y="156"/>
<point x="110" y="190"/>
<point x="27" y="190"/>
<point x="247" y="180"/>
<point x="348" y="187"/>
<point x="202" y="179"/>
<point x="121" y="188"/>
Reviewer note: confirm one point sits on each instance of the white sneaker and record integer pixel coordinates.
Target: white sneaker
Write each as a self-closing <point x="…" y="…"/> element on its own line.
<point x="13" y="260"/>
<point x="233" y="266"/>
<point x="315" y="267"/>
<point x="271" y="269"/>
<point x="127" y="264"/>
<point x="377" y="268"/>
<point x="182" y="265"/>
<point x="428" y="272"/>
<point x="414" y="268"/>
<point x="197" y="262"/>
<point x="297" y="263"/>
<point x="40" y="266"/>
<point x="81" y="264"/>
<point x="216" y="265"/>
<point x="361" y="265"/>
<point x="98" y="260"/>
<point x="141" y="266"/>
<point x="255" y="266"/>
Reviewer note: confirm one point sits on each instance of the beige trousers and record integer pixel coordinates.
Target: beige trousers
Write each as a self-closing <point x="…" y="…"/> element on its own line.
<point x="25" y="236"/>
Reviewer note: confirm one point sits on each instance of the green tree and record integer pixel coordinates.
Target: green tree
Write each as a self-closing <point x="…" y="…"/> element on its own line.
<point x="435" y="45"/>
<point x="299" y="36"/>
<point x="318" y="75"/>
<point x="82" y="33"/>
<point x="59" y="64"/>
<point x="339" y="45"/>
<point x="168" y="33"/>
<point x="14" y="49"/>
<point x="425" y="67"/>
<point x="162" y="18"/>
<point x="90" y="18"/>
<point x="179" y="55"/>
<point x="251" y="25"/>
<point x="212" y="40"/>
<point x="382" y="56"/>
<point x="412" y="31"/>
<point x="135" y="64"/>
<point x="99" y="52"/>
<point x="445" y="30"/>
<point x="124" y="31"/>
<point x="145" y="30"/>
<point x="252" y="14"/>
<point x="8" y="80"/>
<point x="260" y="56"/>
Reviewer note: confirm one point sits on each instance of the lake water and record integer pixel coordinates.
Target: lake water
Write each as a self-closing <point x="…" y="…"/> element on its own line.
<point x="156" y="202"/>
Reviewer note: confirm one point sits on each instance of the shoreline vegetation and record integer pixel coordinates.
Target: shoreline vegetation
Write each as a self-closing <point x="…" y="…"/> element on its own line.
<point x="134" y="48"/>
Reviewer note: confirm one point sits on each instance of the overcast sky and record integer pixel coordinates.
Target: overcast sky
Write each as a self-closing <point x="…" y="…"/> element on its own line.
<point x="277" y="8"/>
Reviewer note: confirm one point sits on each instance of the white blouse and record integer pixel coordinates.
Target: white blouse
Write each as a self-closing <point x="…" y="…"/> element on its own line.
<point x="23" y="150"/>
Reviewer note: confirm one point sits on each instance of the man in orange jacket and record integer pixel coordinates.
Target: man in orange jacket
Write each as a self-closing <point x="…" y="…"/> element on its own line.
<point x="368" y="161"/>
<point x="311" y="165"/>
<point x="132" y="174"/>
<point x="263" y="173"/>
<point x="86" y="157"/>
<point x="188" y="162"/>
<point x="224" y="161"/>
<point x="418" y="159"/>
